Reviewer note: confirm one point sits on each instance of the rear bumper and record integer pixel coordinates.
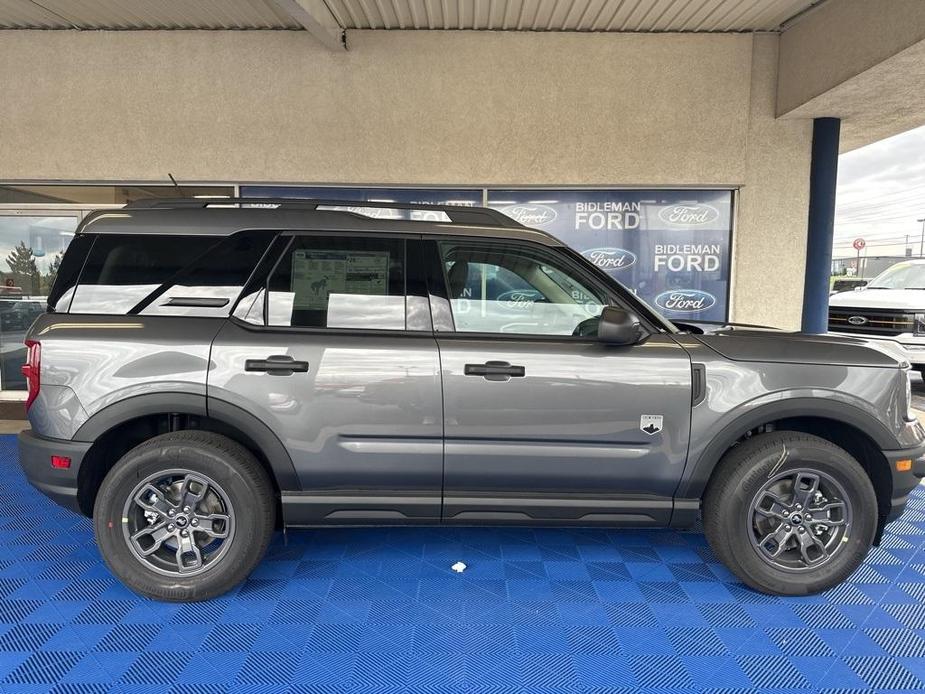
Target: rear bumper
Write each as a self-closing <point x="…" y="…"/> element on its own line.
<point x="904" y="482"/>
<point x="35" y="458"/>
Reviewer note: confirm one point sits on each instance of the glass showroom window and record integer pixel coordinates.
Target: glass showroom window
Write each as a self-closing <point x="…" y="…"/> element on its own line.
<point x="31" y="247"/>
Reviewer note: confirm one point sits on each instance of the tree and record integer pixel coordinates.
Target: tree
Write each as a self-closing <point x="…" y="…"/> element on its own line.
<point x="48" y="280"/>
<point x="22" y="264"/>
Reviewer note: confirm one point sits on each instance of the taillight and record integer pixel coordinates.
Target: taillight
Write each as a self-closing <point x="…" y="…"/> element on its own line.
<point x="32" y="370"/>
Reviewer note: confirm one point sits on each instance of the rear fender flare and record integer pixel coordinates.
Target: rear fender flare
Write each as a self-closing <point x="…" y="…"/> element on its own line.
<point x="185" y="403"/>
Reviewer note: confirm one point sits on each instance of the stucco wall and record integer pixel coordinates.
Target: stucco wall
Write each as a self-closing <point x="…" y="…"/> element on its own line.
<point x="859" y="60"/>
<point x="770" y="249"/>
<point x="418" y="108"/>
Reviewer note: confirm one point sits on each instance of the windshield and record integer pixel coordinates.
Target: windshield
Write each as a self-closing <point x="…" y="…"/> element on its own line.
<point x="900" y="276"/>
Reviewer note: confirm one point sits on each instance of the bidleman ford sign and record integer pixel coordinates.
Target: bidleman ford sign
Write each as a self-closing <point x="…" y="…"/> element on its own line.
<point x="671" y="247"/>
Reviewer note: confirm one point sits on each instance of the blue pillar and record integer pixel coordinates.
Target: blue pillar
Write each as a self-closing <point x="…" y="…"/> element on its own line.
<point x="822" y="176"/>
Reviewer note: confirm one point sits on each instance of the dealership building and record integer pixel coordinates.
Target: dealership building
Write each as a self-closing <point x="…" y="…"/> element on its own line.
<point x="687" y="147"/>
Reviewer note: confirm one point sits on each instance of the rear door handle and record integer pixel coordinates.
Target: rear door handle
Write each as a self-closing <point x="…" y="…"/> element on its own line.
<point x="495" y="371"/>
<point x="277" y="365"/>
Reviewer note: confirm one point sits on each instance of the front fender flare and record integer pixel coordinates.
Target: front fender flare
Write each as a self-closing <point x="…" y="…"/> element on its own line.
<point x="697" y="472"/>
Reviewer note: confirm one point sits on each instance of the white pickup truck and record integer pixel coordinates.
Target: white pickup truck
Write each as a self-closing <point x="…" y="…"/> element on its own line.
<point x="891" y="307"/>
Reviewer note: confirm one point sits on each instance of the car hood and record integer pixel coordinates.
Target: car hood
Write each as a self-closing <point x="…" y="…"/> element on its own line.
<point x="912" y="299"/>
<point x="799" y="348"/>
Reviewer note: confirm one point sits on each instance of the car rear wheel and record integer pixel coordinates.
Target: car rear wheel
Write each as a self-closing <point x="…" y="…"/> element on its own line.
<point x="185" y="516"/>
<point x="790" y="513"/>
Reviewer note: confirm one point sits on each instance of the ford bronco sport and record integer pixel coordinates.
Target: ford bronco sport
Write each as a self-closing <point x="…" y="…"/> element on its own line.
<point x="207" y="372"/>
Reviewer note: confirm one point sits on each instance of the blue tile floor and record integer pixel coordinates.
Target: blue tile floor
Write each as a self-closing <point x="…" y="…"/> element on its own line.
<point x="379" y="610"/>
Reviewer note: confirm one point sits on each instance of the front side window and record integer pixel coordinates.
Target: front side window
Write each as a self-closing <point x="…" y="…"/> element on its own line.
<point x="500" y="287"/>
<point x="339" y="282"/>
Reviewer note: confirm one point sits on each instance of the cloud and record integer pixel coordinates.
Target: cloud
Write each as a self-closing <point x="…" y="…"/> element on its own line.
<point x="881" y="194"/>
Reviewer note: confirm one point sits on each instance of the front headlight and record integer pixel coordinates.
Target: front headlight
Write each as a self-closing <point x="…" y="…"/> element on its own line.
<point x="919" y="324"/>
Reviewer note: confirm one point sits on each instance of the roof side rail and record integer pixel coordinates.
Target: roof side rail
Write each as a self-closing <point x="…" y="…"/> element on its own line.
<point x="458" y="214"/>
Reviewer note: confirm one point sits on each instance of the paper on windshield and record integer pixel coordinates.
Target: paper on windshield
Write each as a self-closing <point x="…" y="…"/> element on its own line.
<point x="318" y="273"/>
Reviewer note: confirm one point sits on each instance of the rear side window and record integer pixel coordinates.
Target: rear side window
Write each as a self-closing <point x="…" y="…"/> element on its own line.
<point x="167" y="275"/>
<point x="339" y="282"/>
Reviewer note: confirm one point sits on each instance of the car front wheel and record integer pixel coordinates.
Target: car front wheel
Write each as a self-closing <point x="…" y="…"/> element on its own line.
<point x="185" y="516"/>
<point x="790" y="513"/>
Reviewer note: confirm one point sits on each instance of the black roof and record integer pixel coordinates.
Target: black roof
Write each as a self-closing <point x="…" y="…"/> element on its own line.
<point x="224" y="216"/>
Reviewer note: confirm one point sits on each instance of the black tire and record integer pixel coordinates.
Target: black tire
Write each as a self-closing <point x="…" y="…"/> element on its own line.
<point x="238" y="481"/>
<point x="745" y="471"/>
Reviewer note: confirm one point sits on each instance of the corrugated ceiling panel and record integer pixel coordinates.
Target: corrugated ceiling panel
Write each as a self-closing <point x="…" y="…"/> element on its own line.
<point x="22" y="14"/>
<point x="148" y="14"/>
<point x="522" y="15"/>
<point x="568" y="15"/>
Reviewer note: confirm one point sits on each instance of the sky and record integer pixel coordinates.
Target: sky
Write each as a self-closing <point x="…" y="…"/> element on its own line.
<point x="880" y="195"/>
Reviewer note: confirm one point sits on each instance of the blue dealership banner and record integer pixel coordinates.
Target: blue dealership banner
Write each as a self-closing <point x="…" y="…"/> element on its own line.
<point x="670" y="247"/>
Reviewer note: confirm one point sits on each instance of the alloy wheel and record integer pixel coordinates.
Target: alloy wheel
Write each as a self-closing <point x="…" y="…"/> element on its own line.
<point x="178" y="522"/>
<point x="799" y="519"/>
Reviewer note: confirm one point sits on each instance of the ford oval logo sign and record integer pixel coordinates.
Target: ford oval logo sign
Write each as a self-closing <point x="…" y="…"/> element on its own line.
<point x="685" y="300"/>
<point x="610" y="258"/>
<point x="531" y="215"/>
<point x="857" y="320"/>
<point x="692" y="214"/>
<point x="519" y="299"/>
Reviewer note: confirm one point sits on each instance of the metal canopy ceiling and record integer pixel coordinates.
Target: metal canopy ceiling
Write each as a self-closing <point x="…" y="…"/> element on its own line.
<point x="516" y="15"/>
<point x="569" y="15"/>
<point x="144" y="14"/>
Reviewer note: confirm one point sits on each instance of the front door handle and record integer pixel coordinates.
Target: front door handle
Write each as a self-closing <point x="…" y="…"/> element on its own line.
<point x="277" y="365"/>
<point x="495" y="371"/>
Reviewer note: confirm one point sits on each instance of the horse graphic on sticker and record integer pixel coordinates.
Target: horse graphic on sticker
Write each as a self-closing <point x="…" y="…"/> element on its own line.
<point x="651" y="423"/>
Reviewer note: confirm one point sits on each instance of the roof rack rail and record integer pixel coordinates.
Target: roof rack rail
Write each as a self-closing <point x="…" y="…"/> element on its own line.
<point x="458" y="214"/>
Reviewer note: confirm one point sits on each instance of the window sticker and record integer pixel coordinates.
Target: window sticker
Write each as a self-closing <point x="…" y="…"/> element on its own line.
<point x="316" y="274"/>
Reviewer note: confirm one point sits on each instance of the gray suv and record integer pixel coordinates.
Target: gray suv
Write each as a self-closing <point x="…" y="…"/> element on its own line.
<point x="206" y="372"/>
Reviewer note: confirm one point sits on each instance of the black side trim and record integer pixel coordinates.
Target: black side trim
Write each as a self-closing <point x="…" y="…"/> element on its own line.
<point x="307" y="510"/>
<point x="140" y="406"/>
<point x="532" y="510"/>
<point x="198" y="301"/>
<point x="686" y="513"/>
<point x="263" y="436"/>
<point x="698" y="384"/>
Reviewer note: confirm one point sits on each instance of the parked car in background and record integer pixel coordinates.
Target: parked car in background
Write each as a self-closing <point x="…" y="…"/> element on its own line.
<point x="890" y="308"/>
<point x="843" y="284"/>
<point x="19" y="314"/>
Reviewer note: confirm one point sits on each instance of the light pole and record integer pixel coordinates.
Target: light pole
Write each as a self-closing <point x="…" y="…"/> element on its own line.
<point x="922" y="242"/>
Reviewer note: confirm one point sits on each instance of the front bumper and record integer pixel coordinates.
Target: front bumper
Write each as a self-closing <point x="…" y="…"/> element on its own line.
<point x="904" y="482"/>
<point x="35" y="458"/>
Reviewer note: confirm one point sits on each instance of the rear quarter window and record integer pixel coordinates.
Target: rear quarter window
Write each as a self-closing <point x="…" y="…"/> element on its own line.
<point x="167" y="275"/>
<point x="61" y="294"/>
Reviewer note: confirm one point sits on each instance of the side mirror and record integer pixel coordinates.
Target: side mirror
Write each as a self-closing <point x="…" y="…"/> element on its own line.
<point x="619" y="327"/>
